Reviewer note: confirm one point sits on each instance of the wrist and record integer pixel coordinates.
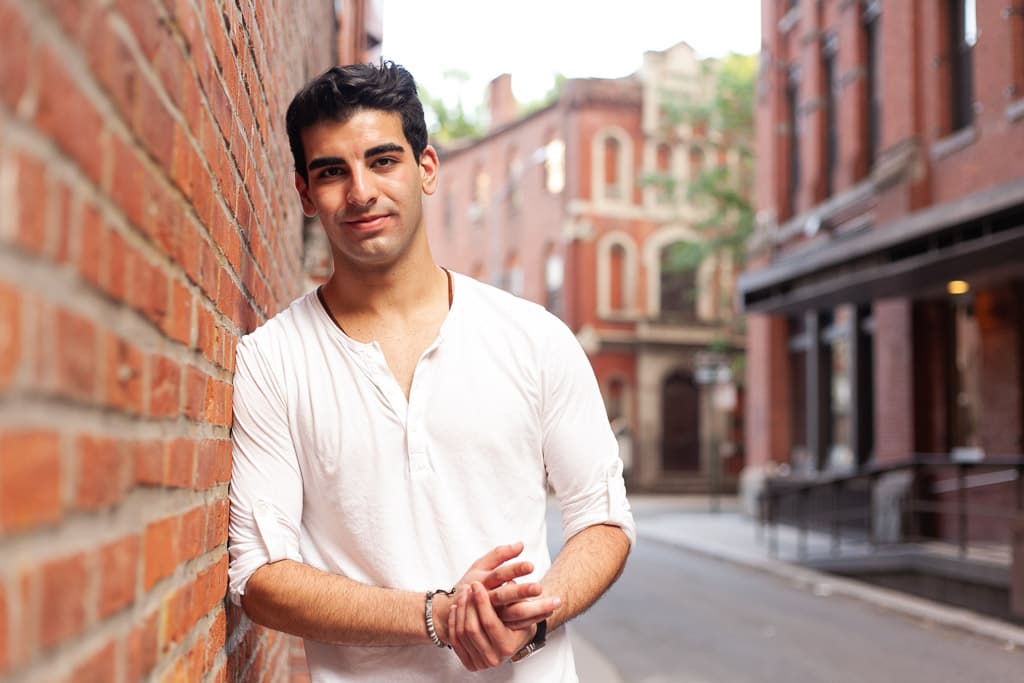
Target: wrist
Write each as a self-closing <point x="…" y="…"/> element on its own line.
<point x="442" y="606"/>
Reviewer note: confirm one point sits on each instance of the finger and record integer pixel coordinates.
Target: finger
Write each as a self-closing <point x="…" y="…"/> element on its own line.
<point x="507" y="572"/>
<point x="456" y="642"/>
<point x="530" y="611"/>
<point x="498" y="556"/>
<point x="475" y="641"/>
<point x="514" y="592"/>
<point x="492" y="630"/>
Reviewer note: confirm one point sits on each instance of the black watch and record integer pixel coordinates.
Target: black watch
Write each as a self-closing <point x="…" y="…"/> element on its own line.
<point x="537" y="643"/>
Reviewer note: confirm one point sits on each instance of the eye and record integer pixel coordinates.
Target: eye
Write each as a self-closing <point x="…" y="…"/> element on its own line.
<point x="384" y="162"/>
<point x="332" y="172"/>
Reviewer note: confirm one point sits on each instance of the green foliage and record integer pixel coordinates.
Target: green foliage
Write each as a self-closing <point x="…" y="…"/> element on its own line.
<point x="722" y="194"/>
<point x="549" y="98"/>
<point x="447" y="123"/>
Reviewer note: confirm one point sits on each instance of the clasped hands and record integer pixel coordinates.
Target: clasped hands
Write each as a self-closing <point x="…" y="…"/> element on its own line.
<point x="490" y="616"/>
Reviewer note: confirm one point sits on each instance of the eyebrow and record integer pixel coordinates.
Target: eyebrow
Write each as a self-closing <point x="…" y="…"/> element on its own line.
<point x="386" y="148"/>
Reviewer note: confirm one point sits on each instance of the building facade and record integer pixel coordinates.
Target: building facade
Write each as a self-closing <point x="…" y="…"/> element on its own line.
<point x="554" y="207"/>
<point x="884" y="295"/>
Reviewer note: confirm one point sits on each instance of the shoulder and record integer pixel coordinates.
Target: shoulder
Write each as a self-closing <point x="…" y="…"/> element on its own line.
<point x="504" y="310"/>
<point x="283" y="330"/>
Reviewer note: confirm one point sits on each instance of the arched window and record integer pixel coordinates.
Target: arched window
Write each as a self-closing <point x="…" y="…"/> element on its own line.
<point x="663" y="169"/>
<point x="617" y="273"/>
<point x="612" y="150"/>
<point x="678" y="280"/>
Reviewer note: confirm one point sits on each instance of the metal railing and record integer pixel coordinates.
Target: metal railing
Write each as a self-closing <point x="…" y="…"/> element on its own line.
<point x="937" y="501"/>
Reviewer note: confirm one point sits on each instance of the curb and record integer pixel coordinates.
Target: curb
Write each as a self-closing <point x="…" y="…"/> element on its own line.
<point x="1009" y="636"/>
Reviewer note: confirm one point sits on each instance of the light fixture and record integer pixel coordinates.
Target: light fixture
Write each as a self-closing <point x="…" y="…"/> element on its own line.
<point x="957" y="287"/>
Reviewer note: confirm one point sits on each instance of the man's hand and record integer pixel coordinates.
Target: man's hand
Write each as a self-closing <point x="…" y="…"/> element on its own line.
<point x="512" y="610"/>
<point x="479" y="636"/>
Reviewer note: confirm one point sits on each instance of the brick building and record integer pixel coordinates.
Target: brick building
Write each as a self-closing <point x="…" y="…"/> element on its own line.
<point x="553" y="206"/>
<point x="888" y="265"/>
<point x="147" y="221"/>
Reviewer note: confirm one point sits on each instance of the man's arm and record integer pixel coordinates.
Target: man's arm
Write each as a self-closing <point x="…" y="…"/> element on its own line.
<point x="484" y="636"/>
<point x="295" y="598"/>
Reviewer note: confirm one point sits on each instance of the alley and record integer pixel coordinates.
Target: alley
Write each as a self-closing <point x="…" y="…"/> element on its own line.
<point x="676" y="616"/>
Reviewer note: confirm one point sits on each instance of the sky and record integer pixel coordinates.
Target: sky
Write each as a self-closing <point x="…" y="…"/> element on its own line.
<point x="535" y="39"/>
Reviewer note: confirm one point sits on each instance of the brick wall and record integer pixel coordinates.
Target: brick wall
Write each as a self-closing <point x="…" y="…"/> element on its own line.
<point x="146" y="222"/>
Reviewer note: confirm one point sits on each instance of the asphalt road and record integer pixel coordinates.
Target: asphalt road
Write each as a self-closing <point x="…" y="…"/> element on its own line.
<point x="681" y="618"/>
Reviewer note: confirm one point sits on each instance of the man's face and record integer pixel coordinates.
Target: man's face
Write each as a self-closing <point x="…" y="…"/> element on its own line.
<point x="366" y="187"/>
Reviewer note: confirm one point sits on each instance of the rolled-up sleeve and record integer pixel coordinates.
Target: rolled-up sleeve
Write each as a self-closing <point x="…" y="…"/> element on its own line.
<point x="266" y="484"/>
<point x="581" y="454"/>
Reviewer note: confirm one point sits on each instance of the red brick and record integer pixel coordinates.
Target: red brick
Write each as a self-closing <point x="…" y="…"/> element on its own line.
<point x="181" y="455"/>
<point x="165" y="387"/>
<point x="142" y="648"/>
<point x="154" y="123"/>
<point x="130" y="179"/>
<point x="192" y="533"/>
<point x="64" y="593"/>
<point x="18" y="55"/>
<point x="178" y="325"/>
<point x="76" y="355"/>
<point x="176" y="616"/>
<point x="213" y="463"/>
<point x="102" y="472"/>
<point x="119" y="566"/>
<point x="32" y="200"/>
<point x="149" y="462"/>
<point x="125" y="364"/>
<point x="10" y="333"/>
<point x="92" y="261"/>
<point x="100" y="667"/>
<point x="61" y="100"/>
<point x="63" y="213"/>
<point x="118" y="266"/>
<point x="161" y="551"/>
<point x="217" y="524"/>
<point x="195" y="393"/>
<point x="216" y="638"/>
<point x="30" y="479"/>
<point x="211" y="587"/>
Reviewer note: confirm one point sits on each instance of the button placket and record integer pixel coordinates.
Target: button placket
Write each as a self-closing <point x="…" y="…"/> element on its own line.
<point x="419" y="463"/>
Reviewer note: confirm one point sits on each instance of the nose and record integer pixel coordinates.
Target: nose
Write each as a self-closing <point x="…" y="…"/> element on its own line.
<point x="362" y="191"/>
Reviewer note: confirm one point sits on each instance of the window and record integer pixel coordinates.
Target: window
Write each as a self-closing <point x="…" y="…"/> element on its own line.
<point x="836" y="338"/>
<point x="663" y="169"/>
<point x="481" y="194"/>
<point x="612" y="181"/>
<point x="696" y="163"/>
<point x="800" y="457"/>
<point x="872" y="98"/>
<point x="614" y="397"/>
<point x="554" y="274"/>
<point x="617" y="278"/>
<point x="1015" y="15"/>
<point x="965" y="390"/>
<point x="678" y="284"/>
<point x="963" y="34"/>
<point x="513" y="170"/>
<point x="554" y="166"/>
<point x="793" y="113"/>
<point x="830" y="86"/>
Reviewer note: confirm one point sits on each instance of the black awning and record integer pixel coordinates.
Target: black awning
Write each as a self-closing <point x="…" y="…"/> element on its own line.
<point x="983" y="233"/>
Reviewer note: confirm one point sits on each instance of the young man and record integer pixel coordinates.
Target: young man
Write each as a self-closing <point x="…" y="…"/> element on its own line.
<point x="395" y="425"/>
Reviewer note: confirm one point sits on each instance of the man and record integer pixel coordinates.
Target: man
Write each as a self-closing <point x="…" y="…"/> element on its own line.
<point x="396" y="424"/>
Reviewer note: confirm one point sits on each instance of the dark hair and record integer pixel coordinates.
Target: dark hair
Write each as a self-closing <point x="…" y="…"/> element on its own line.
<point x="339" y="92"/>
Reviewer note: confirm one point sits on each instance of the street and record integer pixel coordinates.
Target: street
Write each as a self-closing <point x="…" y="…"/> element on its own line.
<point x="680" y="617"/>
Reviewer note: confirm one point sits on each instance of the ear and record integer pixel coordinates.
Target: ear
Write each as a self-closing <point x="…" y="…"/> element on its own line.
<point x="428" y="170"/>
<point x="308" y="207"/>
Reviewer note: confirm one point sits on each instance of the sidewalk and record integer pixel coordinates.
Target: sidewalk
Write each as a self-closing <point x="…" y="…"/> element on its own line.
<point x="687" y="522"/>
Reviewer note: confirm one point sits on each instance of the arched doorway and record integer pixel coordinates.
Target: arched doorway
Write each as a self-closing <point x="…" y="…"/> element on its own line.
<point x="680" y="420"/>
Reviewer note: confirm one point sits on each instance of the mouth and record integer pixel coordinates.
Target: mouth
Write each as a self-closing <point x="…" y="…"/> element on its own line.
<point x="367" y="223"/>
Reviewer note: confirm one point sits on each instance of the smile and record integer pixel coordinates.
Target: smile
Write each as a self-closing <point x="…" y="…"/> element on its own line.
<point x="367" y="223"/>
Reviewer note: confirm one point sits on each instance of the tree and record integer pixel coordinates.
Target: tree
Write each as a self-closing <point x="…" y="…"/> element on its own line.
<point x="447" y="123"/>
<point x="722" y="193"/>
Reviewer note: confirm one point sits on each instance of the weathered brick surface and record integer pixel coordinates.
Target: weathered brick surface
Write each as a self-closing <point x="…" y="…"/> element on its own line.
<point x="147" y="223"/>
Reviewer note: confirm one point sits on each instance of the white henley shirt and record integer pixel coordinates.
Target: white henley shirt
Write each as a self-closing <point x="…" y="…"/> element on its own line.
<point x="334" y="468"/>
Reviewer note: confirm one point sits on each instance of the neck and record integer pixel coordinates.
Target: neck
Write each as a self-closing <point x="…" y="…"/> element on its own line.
<point x="398" y="288"/>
